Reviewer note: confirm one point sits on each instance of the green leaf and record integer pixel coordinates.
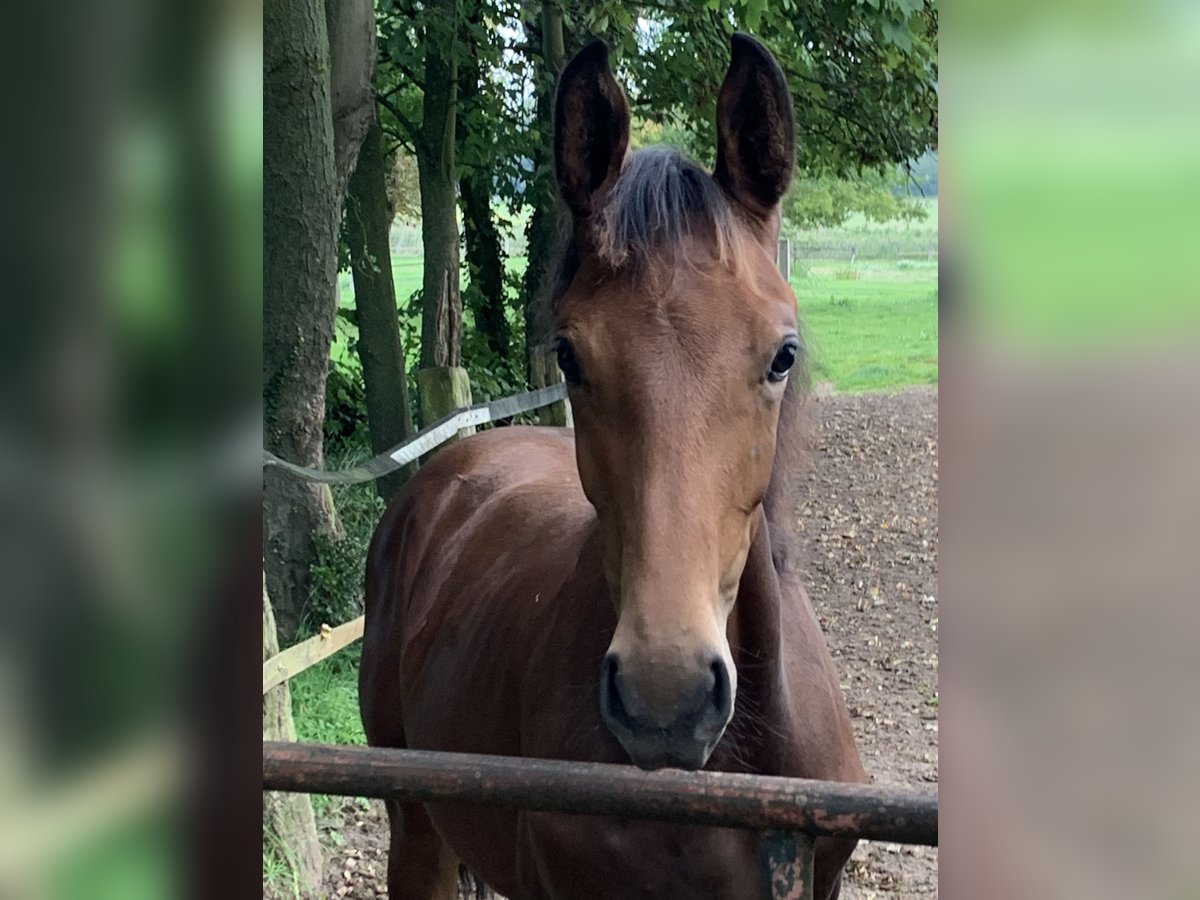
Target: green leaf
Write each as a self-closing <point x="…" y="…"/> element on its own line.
<point x="897" y="34"/>
<point x="754" y="12"/>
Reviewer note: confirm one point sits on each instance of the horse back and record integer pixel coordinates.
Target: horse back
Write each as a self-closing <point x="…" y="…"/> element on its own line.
<point x="457" y="574"/>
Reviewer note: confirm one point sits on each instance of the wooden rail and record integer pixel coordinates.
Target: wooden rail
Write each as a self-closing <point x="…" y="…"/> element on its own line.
<point x="295" y="659"/>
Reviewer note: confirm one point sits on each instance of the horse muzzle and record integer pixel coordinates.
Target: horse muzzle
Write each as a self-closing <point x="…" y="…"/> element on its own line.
<point x="682" y="732"/>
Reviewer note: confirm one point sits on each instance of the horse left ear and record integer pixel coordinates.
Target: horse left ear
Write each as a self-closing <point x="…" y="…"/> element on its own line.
<point x="756" y="129"/>
<point x="591" y="129"/>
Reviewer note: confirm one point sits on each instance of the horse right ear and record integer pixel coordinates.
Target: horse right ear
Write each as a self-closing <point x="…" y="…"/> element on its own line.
<point x="756" y="129"/>
<point x="591" y="129"/>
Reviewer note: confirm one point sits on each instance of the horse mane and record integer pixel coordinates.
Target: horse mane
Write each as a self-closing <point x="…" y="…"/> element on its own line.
<point x="791" y="445"/>
<point x="661" y="205"/>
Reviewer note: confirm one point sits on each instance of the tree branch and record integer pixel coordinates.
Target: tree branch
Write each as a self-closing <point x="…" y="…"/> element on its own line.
<point x="414" y="133"/>
<point x="402" y="142"/>
<point x="406" y="72"/>
<point x="846" y="86"/>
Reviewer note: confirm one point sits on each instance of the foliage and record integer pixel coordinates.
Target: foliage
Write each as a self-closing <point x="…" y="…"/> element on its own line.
<point x="863" y="73"/>
<point x="828" y="201"/>
<point x="862" y="238"/>
<point x="345" y="406"/>
<point x="666" y="129"/>
<point x="492" y="375"/>
<point x="337" y="574"/>
<point x="410" y="339"/>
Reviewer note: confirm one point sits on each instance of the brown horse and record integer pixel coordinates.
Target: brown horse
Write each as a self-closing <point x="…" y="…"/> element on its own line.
<point x="622" y="592"/>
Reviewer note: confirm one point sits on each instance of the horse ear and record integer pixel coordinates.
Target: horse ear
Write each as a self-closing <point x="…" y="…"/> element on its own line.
<point x="756" y="129"/>
<point x="591" y="128"/>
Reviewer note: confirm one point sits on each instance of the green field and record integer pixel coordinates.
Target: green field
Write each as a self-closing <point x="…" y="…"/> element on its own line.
<point x="870" y="326"/>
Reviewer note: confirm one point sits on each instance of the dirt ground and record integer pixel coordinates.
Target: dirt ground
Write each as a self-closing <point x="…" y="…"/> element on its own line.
<point x="867" y="514"/>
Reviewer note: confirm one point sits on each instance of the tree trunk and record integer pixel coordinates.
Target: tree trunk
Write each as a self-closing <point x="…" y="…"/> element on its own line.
<point x="441" y="324"/>
<point x="545" y="226"/>
<point x="288" y="822"/>
<point x="351" y="29"/>
<point x="485" y="261"/>
<point x="299" y="269"/>
<point x="441" y="377"/>
<point x="485" y="256"/>
<point x="368" y="224"/>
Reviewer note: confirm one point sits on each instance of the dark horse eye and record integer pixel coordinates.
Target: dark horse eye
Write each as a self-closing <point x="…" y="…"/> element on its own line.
<point x="784" y="359"/>
<point x="567" y="361"/>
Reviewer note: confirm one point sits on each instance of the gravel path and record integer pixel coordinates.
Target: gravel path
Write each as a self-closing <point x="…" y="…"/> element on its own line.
<point x="868" y="514"/>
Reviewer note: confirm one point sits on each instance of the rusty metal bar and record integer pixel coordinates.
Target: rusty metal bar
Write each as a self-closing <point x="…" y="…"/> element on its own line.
<point x="788" y="865"/>
<point x="706" y="798"/>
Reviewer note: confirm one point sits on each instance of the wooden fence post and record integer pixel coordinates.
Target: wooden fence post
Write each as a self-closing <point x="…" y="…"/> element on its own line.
<point x="784" y="257"/>
<point x="441" y="390"/>
<point x="544" y="371"/>
<point x="288" y="820"/>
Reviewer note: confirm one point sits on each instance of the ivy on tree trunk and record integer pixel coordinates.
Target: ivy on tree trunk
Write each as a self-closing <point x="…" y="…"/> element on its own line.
<point x="300" y="266"/>
<point x="485" y="260"/>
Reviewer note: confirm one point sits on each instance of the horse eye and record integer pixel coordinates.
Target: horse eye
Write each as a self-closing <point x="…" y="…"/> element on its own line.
<point x="784" y="359"/>
<point x="567" y="362"/>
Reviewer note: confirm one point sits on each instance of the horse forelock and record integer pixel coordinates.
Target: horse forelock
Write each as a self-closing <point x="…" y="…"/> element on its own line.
<point x="661" y="208"/>
<point x="661" y="202"/>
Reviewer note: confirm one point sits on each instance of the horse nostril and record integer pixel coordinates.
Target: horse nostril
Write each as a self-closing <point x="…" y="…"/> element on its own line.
<point x="721" y="694"/>
<point x="611" y="703"/>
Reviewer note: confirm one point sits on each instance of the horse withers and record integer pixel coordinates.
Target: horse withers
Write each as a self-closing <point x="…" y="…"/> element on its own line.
<point x="622" y="593"/>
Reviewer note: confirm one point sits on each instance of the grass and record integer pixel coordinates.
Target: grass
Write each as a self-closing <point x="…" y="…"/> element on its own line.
<point x="325" y="708"/>
<point x="874" y="329"/>
<point x="325" y="700"/>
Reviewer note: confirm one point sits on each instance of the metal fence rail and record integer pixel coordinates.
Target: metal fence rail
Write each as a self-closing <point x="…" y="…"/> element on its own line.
<point x="670" y="795"/>
<point x="426" y="439"/>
